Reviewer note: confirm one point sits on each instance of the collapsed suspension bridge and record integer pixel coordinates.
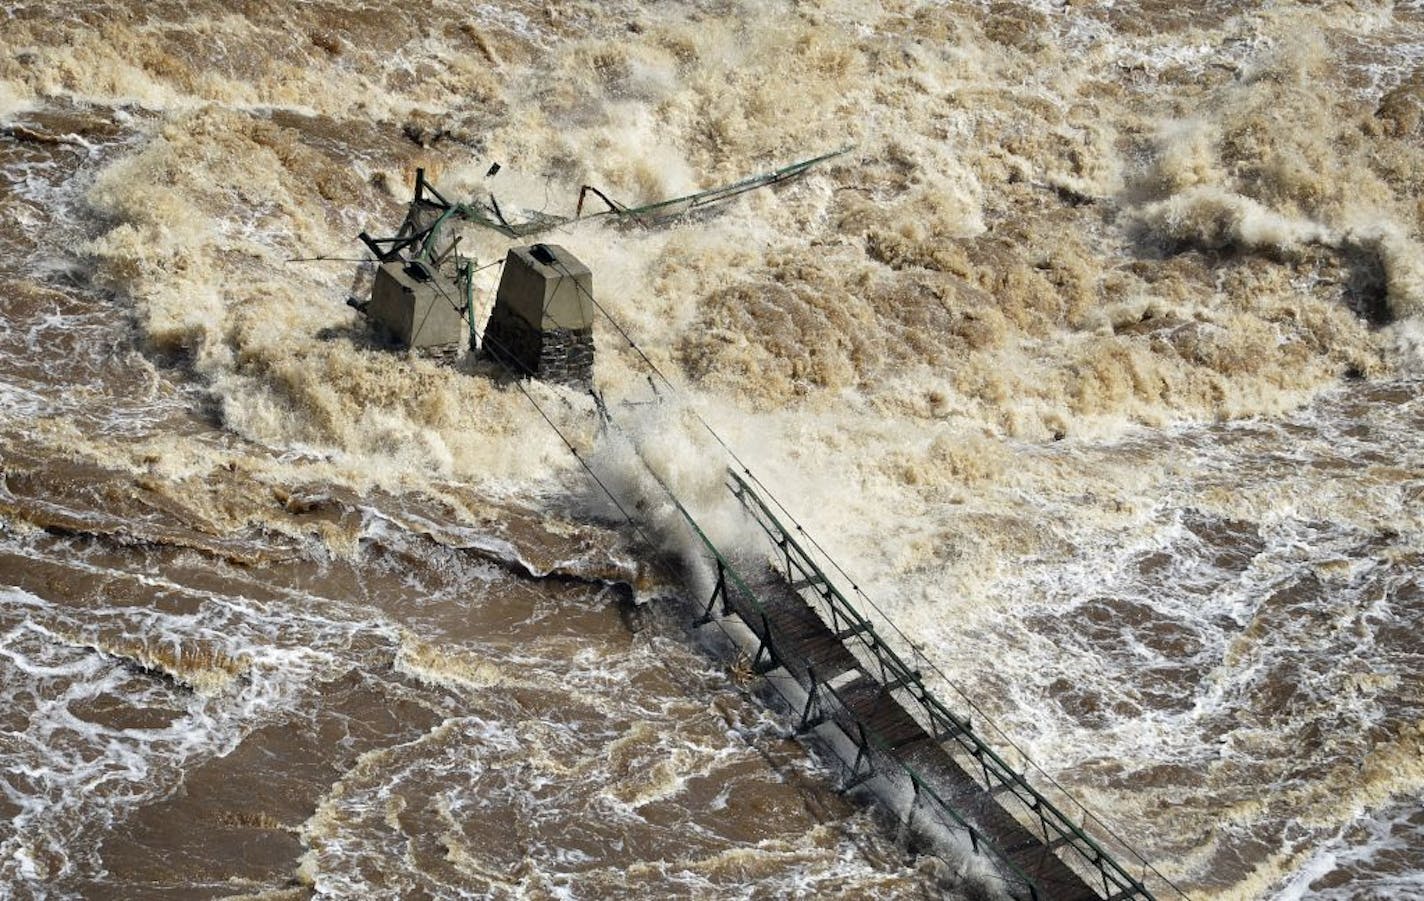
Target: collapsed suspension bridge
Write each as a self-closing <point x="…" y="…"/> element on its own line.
<point x="840" y="674"/>
<point x="843" y="683"/>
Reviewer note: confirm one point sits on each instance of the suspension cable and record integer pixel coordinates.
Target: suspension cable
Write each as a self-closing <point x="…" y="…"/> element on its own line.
<point x="913" y="646"/>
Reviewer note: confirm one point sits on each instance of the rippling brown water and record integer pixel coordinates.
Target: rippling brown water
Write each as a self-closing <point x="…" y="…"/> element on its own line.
<point x="1096" y="362"/>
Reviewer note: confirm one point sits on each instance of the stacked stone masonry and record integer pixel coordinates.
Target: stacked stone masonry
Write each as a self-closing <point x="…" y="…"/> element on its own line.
<point x="542" y="322"/>
<point x="560" y="356"/>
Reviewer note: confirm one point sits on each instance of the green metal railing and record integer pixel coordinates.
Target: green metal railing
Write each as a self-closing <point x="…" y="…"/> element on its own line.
<point x="490" y="215"/>
<point x="881" y="661"/>
<point x="737" y="596"/>
<point x="678" y="206"/>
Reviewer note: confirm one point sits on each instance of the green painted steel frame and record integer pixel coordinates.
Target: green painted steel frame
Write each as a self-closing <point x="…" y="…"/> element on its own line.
<point x="738" y="597"/>
<point x="1058" y="831"/>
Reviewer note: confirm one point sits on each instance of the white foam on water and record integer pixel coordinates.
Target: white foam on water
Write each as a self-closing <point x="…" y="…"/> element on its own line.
<point x="215" y="674"/>
<point x="891" y="343"/>
<point x="1354" y="862"/>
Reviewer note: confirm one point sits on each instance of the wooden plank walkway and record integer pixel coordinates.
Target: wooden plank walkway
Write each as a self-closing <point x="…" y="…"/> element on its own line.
<point x="849" y="677"/>
<point x="854" y="700"/>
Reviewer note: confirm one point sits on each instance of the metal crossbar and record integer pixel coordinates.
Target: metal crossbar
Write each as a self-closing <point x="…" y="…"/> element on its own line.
<point x="1059" y="832"/>
<point x="740" y="599"/>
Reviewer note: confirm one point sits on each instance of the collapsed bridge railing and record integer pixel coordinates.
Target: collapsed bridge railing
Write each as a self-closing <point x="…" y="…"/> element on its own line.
<point x="1056" y="830"/>
<point x="1049" y="856"/>
<point x="839" y="669"/>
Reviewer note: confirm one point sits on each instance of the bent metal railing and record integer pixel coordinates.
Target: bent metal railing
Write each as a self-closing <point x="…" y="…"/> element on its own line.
<point x="1057" y="831"/>
<point x="737" y="596"/>
<point x="879" y="661"/>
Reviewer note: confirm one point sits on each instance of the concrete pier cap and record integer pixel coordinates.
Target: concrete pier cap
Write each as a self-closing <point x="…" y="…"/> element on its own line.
<point x="417" y="307"/>
<point x="542" y="321"/>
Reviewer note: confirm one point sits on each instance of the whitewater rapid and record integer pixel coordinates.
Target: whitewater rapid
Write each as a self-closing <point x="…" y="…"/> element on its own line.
<point x="1096" y="362"/>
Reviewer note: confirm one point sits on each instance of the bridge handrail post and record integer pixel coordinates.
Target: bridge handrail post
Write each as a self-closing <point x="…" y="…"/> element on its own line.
<point x="893" y="669"/>
<point x="810" y="699"/>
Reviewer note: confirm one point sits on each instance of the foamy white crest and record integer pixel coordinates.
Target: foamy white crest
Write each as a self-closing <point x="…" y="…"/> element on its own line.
<point x="14" y="99"/>
<point x="1217" y="217"/>
<point x="1408" y="338"/>
<point x="659" y="456"/>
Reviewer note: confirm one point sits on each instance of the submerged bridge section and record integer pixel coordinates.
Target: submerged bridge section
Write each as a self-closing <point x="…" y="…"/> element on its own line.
<point x="850" y="687"/>
<point x="841" y="675"/>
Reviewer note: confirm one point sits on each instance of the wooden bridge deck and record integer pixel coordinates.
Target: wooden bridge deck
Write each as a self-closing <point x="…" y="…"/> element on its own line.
<point x="852" y="698"/>
<point x="854" y="680"/>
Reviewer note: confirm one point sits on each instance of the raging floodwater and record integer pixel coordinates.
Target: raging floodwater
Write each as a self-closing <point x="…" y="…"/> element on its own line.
<point x="1095" y="361"/>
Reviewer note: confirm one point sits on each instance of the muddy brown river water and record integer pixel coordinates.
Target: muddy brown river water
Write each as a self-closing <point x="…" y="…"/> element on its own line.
<point x="1096" y="361"/>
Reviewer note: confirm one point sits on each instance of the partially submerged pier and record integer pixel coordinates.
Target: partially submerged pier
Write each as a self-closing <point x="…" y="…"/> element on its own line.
<point x="840" y="675"/>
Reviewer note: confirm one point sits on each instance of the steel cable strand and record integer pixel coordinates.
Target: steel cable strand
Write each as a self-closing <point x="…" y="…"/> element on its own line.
<point x="691" y="522"/>
<point x="1085" y="811"/>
